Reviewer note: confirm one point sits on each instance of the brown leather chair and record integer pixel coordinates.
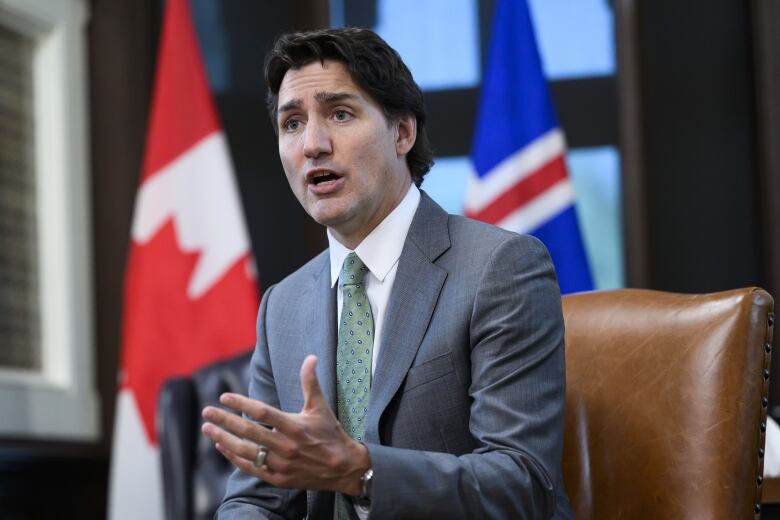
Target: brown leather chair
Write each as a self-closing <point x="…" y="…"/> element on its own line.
<point x="666" y="403"/>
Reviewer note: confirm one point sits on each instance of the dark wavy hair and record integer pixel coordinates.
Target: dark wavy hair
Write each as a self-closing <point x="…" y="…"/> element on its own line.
<point x="372" y="64"/>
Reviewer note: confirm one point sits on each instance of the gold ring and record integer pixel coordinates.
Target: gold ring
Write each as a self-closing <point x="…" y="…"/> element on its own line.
<point x="262" y="453"/>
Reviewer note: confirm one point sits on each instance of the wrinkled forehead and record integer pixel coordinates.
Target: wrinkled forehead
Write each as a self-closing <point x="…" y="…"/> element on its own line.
<point x="308" y="82"/>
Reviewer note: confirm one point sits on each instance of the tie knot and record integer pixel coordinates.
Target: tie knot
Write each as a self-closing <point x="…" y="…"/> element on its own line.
<point x="353" y="271"/>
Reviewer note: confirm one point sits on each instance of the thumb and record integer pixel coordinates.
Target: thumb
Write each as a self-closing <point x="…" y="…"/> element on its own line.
<point x="312" y="394"/>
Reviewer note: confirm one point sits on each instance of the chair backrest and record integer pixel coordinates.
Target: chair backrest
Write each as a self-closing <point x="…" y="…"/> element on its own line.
<point x="194" y="473"/>
<point x="666" y="403"/>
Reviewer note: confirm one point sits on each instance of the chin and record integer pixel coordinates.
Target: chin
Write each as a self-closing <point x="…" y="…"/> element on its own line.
<point x="329" y="212"/>
<point x="329" y="219"/>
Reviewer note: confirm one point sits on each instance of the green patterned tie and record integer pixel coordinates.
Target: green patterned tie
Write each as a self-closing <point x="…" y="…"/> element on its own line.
<point x="355" y="348"/>
<point x="353" y="357"/>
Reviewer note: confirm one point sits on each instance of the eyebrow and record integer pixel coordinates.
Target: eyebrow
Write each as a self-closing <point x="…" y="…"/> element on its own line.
<point x="321" y="97"/>
<point x="290" y="105"/>
<point x="333" y="97"/>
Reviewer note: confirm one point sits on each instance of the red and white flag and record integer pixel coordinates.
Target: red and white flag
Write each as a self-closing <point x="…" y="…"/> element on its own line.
<point x="190" y="295"/>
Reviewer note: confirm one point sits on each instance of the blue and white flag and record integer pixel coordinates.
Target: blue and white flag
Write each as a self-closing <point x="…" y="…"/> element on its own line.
<point x="519" y="180"/>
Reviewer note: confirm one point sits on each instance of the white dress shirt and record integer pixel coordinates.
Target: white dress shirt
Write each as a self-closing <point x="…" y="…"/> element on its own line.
<point x="379" y="251"/>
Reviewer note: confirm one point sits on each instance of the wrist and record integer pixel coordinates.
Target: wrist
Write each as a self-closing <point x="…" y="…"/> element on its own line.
<point x="354" y="483"/>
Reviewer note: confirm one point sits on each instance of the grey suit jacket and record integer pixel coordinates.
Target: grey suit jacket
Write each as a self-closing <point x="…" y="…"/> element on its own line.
<point x="466" y="412"/>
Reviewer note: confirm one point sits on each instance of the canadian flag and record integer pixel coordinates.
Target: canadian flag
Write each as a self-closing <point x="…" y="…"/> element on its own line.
<point x="190" y="295"/>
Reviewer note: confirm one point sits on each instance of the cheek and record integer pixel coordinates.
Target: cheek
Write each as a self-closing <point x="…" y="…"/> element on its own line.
<point x="290" y="178"/>
<point x="290" y="148"/>
<point x="296" y="187"/>
<point x="288" y="163"/>
<point x="373" y="153"/>
<point x="364" y="157"/>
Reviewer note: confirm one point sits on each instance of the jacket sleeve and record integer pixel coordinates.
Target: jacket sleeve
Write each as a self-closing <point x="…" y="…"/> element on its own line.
<point x="247" y="497"/>
<point x="517" y="394"/>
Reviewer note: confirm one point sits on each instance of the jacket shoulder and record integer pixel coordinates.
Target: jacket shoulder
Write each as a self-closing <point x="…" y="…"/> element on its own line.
<point x="473" y="235"/>
<point x="305" y="275"/>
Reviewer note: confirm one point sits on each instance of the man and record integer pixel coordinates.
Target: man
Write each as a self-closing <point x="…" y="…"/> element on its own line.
<point x="436" y="387"/>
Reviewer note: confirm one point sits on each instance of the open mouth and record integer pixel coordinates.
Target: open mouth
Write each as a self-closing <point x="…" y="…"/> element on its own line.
<point x="324" y="177"/>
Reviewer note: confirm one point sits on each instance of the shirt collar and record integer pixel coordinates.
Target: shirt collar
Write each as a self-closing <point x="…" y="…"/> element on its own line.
<point x="381" y="248"/>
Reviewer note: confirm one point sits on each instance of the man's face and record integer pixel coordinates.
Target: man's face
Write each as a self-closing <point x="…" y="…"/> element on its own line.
<point x="345" y="162"/>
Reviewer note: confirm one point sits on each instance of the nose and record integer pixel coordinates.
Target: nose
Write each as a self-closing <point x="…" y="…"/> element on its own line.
<point x="316" y="139"/>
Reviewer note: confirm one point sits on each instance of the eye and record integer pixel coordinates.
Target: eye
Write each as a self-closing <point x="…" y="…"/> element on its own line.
<point x="291" y="125"/>
<point x="342" y="115"/>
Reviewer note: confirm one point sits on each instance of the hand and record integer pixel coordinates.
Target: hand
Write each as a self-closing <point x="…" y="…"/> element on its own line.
<point x="306" y="450"/>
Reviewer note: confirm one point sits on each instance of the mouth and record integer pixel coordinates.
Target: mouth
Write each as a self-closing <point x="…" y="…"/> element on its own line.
<point x="323" y="181"/>
<point x="324" y="178"/>
<point x="321" y="176"/>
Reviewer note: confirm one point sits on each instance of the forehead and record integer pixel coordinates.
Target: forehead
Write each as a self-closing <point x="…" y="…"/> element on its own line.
<point x="312" y="78"/>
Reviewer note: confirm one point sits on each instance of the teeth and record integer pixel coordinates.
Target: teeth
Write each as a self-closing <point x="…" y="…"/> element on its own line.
<point x="321" y="178"/>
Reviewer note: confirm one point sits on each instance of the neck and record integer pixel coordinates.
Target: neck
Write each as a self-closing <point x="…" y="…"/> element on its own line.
<point x="351" y="239"/>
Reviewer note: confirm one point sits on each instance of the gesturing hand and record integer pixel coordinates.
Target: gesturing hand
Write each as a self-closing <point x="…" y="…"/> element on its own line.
<point x="306" y="450"/>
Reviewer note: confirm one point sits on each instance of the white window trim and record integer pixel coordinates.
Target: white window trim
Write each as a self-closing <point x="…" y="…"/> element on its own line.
<point x="60" y="401"/>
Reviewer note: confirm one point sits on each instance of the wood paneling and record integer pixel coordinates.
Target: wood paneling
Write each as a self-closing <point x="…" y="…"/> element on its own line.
<point x="765" y="17"/>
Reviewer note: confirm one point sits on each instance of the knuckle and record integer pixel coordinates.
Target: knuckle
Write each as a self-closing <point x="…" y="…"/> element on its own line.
<point x="284" y="466"/>
<point x="298" y="430"/>
<point x="336" y="462"/>
<point x="248" y="449"/>
<point x="259" y="412"/>
<point x="243" y="429"/>
<point x="339" y="461"/>
<point x="291" y="452"/>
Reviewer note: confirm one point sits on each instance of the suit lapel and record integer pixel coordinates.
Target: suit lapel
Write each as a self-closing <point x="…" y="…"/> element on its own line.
<point x="321" y="311"/>
<point x="319" y="306"/>
<point x="416" y="289"/>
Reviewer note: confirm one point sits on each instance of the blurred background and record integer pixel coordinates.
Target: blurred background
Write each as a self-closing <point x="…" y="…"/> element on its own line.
<point x="671" y="112"/>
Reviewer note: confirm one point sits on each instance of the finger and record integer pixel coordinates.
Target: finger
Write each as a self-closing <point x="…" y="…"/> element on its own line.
<point x="264" y="473"/>
<point x="312" y="394"/>
<point x="242" y="449"/>
<point x="259" y="411"/>
<point x="241" y="463"/>
<point x="239" y="447"/>
<point x="241" y="427"/>
<point x="253" y="408"/>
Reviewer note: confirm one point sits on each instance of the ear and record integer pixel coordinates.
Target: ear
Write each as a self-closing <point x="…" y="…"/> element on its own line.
<point x="406" y="134"/>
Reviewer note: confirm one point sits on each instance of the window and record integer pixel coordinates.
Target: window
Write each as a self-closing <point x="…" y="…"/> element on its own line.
<point x="441" y="42"/>
<point x="46" y="369"/>
<point x="19" y="317"/>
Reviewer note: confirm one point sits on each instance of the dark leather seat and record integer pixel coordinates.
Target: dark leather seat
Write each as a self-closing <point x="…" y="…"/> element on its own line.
<point x="194" y="473"/>
<point x="666" y="403"/>
<point x="665" y="409"/>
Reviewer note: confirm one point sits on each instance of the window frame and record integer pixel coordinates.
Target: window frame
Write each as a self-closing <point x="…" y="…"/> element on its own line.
<point x="59" y="401"/>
